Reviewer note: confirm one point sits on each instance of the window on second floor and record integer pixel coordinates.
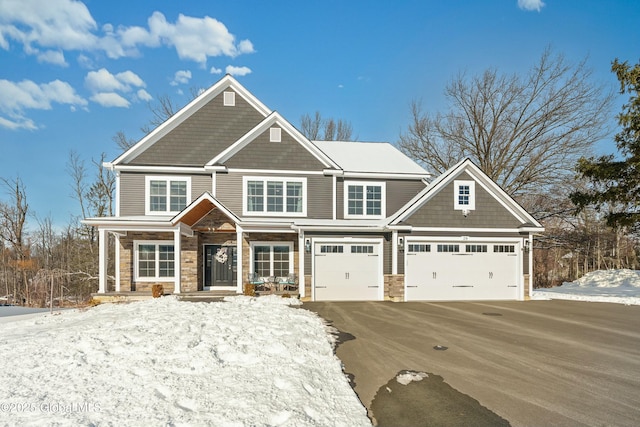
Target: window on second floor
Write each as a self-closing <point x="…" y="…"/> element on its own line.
<point x="274" y="196"/>
<point x="464" y="195"/>
<point x="364" y="199"/>
<point x="166" y="195"/>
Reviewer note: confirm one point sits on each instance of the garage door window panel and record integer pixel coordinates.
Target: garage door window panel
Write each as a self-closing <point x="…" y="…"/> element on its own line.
<point x="449" y="248"/>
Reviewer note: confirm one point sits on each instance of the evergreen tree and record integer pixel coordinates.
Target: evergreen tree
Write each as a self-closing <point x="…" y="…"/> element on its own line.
<point x="615" y="180"/>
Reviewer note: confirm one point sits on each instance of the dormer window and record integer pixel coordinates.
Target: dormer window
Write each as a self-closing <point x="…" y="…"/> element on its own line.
<point x="464" y="195"/>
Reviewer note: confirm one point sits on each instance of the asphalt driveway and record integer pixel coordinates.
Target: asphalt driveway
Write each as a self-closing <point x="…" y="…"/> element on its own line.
<point x="561" y="363"/>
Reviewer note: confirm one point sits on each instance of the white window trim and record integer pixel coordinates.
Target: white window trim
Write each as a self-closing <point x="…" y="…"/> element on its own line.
<point x="271" y="245"/>
<point x="472" y="195"/>
<point x="168" y="179"/>
<point x="284" y="180"/>
<point x="275" y="135"/>
<point x="136" y="259"/>
<point x="229" y="99"/>
<point x="383" y="201"/>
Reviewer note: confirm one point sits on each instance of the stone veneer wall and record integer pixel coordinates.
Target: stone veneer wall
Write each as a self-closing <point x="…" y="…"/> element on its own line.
<point x="526" y="287"/>
<point x="394" y="287"/>
<point x="127" y="283"/>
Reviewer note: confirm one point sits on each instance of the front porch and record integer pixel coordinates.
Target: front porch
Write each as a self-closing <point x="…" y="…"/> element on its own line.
<point x="200" y="296"/>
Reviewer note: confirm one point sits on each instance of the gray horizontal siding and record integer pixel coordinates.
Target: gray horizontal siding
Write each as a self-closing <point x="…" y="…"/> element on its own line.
<point x="229" y="192"/>
<point x="288" y="154"/>
<point x="439" y="211"/>
<point x="203" y="135"/>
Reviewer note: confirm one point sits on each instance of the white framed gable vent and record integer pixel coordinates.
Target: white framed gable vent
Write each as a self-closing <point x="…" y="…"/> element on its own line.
<point x="275" y="134"/>
<point x="229" y="99"/>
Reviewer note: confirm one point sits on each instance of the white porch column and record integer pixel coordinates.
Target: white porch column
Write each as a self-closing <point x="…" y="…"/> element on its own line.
<point x="301" y="252"/>
<point x="530" y="265"/>
<point x="239" y="258"/>
<point x="117" y="262"/>
<point x="103" y="250"/>
<point x="394" y="252"/>
<point x="177" y="259"/>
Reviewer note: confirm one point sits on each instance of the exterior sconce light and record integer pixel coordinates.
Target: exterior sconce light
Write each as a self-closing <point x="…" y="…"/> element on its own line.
<point x="401" y="243"/>
<point x="307" y="245"/>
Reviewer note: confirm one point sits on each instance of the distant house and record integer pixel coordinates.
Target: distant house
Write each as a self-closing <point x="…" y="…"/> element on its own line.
<point x="228" y="192"/>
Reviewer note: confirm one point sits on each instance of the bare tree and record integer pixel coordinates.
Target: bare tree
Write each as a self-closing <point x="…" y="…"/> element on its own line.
<point x="525" y="132"/>
<point x="317" y="128"/>
<point x="123" y="141"/>
<point x="13" y="219"/>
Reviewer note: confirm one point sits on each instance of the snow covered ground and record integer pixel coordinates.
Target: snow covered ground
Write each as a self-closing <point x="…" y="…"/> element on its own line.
<point x="243" y="362"/>
<point x="616" y="286"/>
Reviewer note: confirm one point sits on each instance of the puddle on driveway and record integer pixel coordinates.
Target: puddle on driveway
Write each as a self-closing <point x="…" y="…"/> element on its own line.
<point x="428" y="402"/>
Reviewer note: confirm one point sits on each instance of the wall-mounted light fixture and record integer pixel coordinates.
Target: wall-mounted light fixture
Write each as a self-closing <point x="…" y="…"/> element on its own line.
<point x="401" y="243"/>
<point x="307" y="245"/>
<point x="527" y="244"/>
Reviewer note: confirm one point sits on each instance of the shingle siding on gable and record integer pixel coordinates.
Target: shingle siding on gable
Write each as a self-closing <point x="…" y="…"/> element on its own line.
<point x="285" y="155"/>
<point x="439" y="212"/>
<point x="319" y="193"/>
<point x="203" y="135"/>
<point x="132" y="190"/>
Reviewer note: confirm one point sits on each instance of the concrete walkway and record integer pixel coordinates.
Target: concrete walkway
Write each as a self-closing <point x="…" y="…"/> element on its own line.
<point x="561" y="363"/>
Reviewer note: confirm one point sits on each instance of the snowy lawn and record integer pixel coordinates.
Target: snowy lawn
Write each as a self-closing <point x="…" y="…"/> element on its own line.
<point x="243" y="362"/>
<point x="617" y="286"/>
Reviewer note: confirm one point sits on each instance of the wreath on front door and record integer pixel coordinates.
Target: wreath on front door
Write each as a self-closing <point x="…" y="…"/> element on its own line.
<point x="221" y="256"/>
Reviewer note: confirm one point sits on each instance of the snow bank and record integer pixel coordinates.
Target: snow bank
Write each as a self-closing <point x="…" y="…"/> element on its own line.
<point x="616" y="286"/>
<point x="246" y="361"/>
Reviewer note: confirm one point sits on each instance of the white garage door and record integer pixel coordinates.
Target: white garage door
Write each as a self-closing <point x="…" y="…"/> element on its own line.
<point x="445" y="271"/>
<point x="347" y="271"/>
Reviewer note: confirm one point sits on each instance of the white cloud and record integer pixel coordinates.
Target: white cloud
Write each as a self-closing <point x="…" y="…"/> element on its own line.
<point x="68" y="25"/>
<point x="237" y="71"/>
<point x="29" y="95"/>
<point x="85" y="62"/>
<point x="103" y="81"/>
<point x="54" y="57"/>
<point x="143" y="95"/>
<point x="110" y="99"/>
<point x="19" y="96"/>
<point x="181" y="77"/>
<point x="62" y="24"/>
<point x="215" y="70"/>
<point x="531" y="5"/>
<point x="20" y="123"/>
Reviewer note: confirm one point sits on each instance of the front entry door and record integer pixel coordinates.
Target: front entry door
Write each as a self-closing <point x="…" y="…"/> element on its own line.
<point x="220" y="267"/>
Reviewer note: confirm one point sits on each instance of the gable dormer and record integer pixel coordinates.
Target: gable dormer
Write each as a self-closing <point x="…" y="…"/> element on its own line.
<point x="201" y="130"/>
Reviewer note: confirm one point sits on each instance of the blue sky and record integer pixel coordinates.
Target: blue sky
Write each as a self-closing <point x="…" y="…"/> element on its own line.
<point x="74" y="73"/>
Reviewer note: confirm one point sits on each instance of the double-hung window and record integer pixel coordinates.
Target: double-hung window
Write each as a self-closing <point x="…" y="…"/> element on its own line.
<point x="154" y="261"/>
<point x="166" y="195"/>
<point x="364" y="199"/>
<point x="464" y="195"/>
<point x="272" y="259"/>
<point x="274" y="196"/>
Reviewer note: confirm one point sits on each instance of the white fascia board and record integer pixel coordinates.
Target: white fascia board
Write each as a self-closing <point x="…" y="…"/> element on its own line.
<point x="185" y="112"/>
<point x="333" y="172"/>
<point x="276" y="172"/>
<point x="216" y="203"/>
<point x="467" y="230"/>
<point x="507" y="201"/>
<point x="216" y="168"/>
<point x="385" y="175"/>
<point x="161" y="169"/>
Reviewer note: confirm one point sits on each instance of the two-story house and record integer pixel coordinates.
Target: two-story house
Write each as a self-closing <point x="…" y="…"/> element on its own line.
<point x="227" y="191"/>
